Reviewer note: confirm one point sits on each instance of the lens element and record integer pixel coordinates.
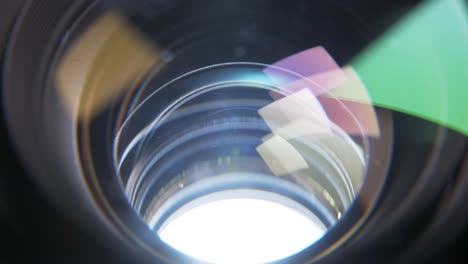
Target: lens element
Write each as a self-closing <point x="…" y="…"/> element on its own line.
<point x="228" y="227"/>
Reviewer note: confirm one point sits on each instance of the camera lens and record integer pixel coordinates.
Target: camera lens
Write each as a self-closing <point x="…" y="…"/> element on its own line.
<point x="217" y="132"/>
<point x="243" y="131"/>
<point x="297" y="135"/>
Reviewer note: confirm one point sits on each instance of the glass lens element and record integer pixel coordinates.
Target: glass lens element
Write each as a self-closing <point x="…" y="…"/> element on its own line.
<point x="220" y="228"/>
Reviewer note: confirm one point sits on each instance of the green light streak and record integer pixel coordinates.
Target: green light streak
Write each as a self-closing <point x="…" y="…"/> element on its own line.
<point x="420" y="66"/>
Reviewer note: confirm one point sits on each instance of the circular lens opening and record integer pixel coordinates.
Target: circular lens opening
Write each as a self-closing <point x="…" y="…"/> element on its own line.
<point x="228" y="137"/>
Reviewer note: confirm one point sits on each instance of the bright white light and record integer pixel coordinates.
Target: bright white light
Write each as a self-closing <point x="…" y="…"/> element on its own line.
<point x="242" y="230"/>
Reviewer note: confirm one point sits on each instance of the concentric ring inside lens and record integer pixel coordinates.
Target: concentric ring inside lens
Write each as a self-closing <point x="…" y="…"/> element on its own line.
<point x="229" y="128"/>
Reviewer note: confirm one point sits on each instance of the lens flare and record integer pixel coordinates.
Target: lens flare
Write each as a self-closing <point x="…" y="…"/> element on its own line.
<point x="341" y="96"/>
<point x="106" y="60"/>
<point x="419" y="65"/>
